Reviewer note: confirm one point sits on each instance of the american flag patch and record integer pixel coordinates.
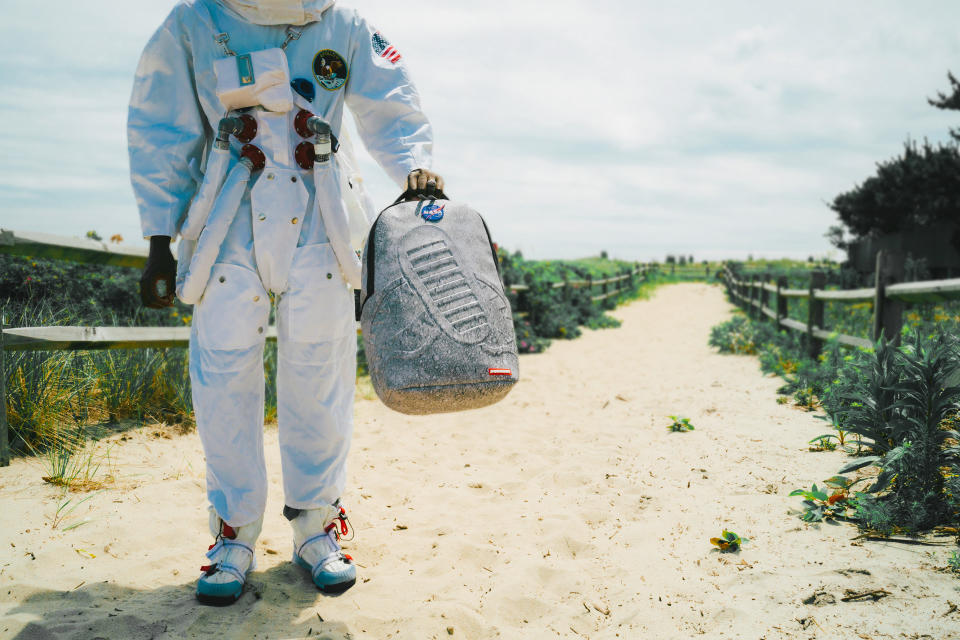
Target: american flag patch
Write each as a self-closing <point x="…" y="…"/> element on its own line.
<point x="499" y="372"/>
<point x="383" y="48"/>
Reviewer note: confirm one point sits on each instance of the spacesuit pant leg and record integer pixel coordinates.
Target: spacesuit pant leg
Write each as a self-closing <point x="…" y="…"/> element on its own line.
<point x="226" y="374"/>
<point x="316" y="375"/>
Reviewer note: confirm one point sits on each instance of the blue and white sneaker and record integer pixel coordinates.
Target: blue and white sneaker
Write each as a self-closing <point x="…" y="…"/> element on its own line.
<point x="316" y="544"/>
<point x="232" y="558"/>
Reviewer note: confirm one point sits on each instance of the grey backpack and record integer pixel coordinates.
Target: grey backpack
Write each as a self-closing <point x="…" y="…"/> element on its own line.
<point x="437" y="327"/>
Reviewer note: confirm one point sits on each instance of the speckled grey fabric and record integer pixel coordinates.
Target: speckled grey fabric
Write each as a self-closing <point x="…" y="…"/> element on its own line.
<point x="437" y="327"/>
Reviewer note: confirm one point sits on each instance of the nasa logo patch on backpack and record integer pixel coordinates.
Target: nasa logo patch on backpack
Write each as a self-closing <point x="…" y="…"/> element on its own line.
<point x="432" y="212"/>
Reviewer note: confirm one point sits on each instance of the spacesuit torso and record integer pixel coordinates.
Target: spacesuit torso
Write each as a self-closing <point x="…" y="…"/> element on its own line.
<point x="339" y="55"/>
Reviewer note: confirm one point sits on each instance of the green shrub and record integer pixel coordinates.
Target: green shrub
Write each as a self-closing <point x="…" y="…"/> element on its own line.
<point x="545" y="311"/>
<point x="910" y="426"/>
<point x="737" y="335"/>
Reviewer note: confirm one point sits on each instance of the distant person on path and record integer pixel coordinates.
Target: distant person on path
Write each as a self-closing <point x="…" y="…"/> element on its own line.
<point x="211" y="59"/>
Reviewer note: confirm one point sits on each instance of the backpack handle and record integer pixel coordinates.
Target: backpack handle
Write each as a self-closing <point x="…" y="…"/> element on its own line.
<point x="416" y="194"/>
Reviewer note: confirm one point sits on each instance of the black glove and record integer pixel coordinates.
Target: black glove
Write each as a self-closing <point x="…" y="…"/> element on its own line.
<point x="161" y="267"/>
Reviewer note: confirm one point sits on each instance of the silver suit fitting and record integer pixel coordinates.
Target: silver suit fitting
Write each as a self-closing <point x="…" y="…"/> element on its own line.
<point x="292" y="34"/>
<point x="222" y="39"/>
<point x="322" y="147"/>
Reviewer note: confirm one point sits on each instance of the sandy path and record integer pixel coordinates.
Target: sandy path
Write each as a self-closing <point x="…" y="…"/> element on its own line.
<point x="565" y="511"/>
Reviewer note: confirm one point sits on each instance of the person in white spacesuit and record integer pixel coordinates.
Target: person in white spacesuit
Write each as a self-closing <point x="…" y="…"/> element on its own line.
<point x="253" y="91"/>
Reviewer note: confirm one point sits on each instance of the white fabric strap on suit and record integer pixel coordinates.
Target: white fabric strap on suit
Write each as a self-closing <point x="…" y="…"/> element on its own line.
<point x="330" y="208"/>
<point x="336" y="554"/>
<point x="207" y="192"/>
<point x="222" y="38"/>
<point x="192" y="281"/>
<point x="226" y="545"/>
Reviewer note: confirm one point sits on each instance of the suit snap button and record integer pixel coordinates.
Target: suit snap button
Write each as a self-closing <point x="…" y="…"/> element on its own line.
<point x="222" y="279"/>
<point x="259" y="329"/>
<point x="261" y="217"/>
<point x="329" y="275"/>
<point x="293" y="179"/>
<point x="256" y="298"/>
<point x="295" y="221"/>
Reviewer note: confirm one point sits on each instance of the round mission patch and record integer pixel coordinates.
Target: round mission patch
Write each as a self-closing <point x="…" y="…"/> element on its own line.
<point x="330" y="69"/>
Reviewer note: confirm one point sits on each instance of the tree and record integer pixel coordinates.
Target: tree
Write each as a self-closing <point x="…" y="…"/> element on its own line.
<point x="950" y="102"/>
<point x="835" y="236"/>
<point x="671" y="260"/>
<point x="920" y="188"/>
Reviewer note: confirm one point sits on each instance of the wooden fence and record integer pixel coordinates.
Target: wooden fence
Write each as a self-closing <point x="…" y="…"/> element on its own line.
<point x="888" y="296"/>
<point x="41" y="245"/>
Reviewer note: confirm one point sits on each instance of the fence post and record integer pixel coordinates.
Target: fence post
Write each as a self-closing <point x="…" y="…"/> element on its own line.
<point x="4" y="436"/>
<point x="752" y="310"/>
<point x="764" y="295"/>
<point x="818" y="281"/>
<point x="781" y="300"/>
<point x="887" y="314"/>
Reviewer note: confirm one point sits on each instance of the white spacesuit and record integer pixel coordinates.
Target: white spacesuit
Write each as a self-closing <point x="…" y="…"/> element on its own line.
<point x="273" y="213"/>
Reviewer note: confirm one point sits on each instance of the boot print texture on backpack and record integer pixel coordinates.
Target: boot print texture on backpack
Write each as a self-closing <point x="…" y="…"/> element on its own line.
<point x="437" y="326"/>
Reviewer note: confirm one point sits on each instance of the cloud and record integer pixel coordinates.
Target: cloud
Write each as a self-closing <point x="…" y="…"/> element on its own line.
<point x="641" y="128"/>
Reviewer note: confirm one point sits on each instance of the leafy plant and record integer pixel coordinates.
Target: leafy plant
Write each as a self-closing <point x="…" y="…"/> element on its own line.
<point x="728" y="542"/>
<point x="823" y="443"/>
<point x="819" y="505"/>
<point x="737" y="335"/>
<point x="919" y="418"/>
<point x="830" y="441"/>
<point x="865" y="395"/>
<point x="953" y="562"/>
<point x="679" y="424"/>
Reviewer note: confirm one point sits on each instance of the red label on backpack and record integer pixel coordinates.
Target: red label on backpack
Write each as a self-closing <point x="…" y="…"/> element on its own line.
<point x="499" y="372"/>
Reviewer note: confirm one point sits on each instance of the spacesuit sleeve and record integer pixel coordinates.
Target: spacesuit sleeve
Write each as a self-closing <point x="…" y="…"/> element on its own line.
<point x="165" y="130"/>
<point x="386" y="106"/>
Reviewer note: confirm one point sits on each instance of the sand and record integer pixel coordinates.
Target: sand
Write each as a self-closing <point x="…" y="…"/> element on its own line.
<point x="567" y="510"/>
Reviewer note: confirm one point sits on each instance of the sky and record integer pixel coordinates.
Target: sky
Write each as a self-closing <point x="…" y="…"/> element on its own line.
<point x="718" y="130"/>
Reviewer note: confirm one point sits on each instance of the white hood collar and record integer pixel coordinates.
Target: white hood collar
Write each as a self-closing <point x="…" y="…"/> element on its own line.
<point x="268" y="12"/>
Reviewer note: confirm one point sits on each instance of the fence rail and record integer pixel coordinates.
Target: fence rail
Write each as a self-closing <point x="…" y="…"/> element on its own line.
<point x="888" y="296"/>
<point x="42" y="245"/>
